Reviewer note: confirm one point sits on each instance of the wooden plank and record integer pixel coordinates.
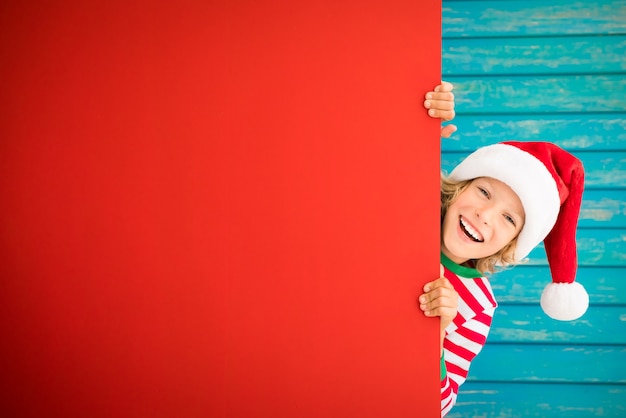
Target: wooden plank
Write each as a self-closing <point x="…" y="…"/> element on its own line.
<point x="588" y="131"/>
<point x="528" y="324"/>
<point x="602" y="208"/>
<point x="523" y="400"/>
<point x="534" y="55"/>
<point x="521" y="18"/>
<point x="539" y="94"/>
<point x="550" y="363"/>
<point x="537" y="70"/>
<point x="524" y="284"/>
<point x="602" y="170"/>
<point x="596" y="247"/>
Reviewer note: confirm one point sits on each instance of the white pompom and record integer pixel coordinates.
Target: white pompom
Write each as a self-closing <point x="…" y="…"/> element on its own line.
<point x="564" y="301"/>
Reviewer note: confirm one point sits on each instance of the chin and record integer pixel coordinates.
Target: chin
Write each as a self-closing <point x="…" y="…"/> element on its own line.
<point x="459" y="251"/>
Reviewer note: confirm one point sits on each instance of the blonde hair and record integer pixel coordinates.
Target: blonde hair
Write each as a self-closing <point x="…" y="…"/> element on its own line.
<point x="450" y="190"/>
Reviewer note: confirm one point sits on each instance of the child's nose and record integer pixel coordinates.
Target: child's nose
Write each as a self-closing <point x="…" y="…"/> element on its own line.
<point x="484" y="214"/>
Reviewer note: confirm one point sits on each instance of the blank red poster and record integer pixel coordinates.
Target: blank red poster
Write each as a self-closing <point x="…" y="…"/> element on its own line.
<point x="218" y="209"/>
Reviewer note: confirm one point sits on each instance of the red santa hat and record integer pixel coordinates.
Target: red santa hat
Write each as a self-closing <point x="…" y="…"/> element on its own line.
<point x="549" y="182"/>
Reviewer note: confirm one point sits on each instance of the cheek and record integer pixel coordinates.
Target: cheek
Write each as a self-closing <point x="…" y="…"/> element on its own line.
<point x="449" y="222"/>
<point x="507" y="236"/>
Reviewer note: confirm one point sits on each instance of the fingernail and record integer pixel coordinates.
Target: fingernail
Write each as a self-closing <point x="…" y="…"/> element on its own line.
<point x="426" y="288"/>
<point x="427" y="313"/>
<point x="431" y="112"/>
<point x="427" y="103"/>
<point x="429" y="96"/>
<point x="423" y="299"/>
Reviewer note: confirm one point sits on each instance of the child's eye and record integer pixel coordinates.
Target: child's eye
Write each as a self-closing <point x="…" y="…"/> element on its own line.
<point x="509" y="219"/>
<point x="483" y="191"/>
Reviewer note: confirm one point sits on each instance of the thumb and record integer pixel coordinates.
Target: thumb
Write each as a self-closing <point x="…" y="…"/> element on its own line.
<point x="441" y="270"/>
<point x="447" y="131"/>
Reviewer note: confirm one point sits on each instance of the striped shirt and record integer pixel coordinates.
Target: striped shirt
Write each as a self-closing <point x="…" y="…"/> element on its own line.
<point x="467" y="334"/>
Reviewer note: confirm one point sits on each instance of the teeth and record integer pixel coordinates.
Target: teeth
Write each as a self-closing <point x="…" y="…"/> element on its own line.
<point x="472" y="232"/>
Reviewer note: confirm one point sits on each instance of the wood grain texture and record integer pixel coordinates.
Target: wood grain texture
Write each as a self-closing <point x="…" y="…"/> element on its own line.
<point x="534" y="55"/>
<point x="592" y="131"/>
<point x="523" y="284"/>
<point x="551" y="363"/>
<point x="600" y="209"/>
<point x="529" y="325"/>
<point x="539" y="400"/>
<point x="545" y="93"/>
<point x="596" y="247"/>
<point x="536" y="18"/>
<point x="550" y="70"/>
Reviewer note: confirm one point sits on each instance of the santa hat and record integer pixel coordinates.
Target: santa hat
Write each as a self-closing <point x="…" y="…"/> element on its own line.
<point x="549" y="182"/>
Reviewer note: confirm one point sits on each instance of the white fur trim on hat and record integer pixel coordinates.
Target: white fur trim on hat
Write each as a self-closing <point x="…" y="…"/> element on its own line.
<point x="528" y="177"/>
<point x="564" y="301"/>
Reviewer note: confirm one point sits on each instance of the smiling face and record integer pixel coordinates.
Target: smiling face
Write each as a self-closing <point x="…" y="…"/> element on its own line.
<point x="481" y="221"/>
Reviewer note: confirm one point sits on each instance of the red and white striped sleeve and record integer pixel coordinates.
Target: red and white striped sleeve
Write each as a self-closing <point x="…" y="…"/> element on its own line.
<point x="466" y="335"/>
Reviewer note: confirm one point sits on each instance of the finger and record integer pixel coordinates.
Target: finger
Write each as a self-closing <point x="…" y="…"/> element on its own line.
<point x="433" y="289"/>
<point x="429" y="286"/>
<point x="444" y="312"/>
<point x="444" y="86"/>
<point x="447" y="131"/>
<point x="448" y="301"/>
<point x="443" y="293"/>
<point x="445" y="300"/>
<point x="446" y="97"/>
<point x="444" y="115"/>
<point x="441" y="310"/>
<point x="441" y="269"/>
<point x="439" y="104"/>
<point x="435" y="284"/>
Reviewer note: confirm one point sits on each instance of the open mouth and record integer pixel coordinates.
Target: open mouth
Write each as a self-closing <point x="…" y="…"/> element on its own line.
<point x="471" y="232"/>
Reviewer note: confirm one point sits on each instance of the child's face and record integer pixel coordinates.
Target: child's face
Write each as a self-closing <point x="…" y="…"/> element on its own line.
<point x="484" y="218"/>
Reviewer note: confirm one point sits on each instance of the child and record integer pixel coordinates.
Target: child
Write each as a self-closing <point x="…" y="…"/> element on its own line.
<point x="496" y="206"/>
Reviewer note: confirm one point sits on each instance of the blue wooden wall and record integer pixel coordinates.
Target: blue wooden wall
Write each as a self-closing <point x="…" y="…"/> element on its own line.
<point x="548" y="70"/>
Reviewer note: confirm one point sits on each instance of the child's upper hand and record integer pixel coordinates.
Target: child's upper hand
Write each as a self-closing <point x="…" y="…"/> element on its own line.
<point x="440" y="104"/>
<point x="440" y="299"/>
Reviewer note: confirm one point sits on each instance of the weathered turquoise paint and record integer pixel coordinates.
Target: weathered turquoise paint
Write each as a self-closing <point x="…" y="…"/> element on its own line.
<point x="551" y="363"/>
<point x="535" y="55"/>
<point x="526" y="323"/>
<point x="598" y="209"/>
<point x="579" y="131"/>
<point x="523" y="284"/>
<point x="541" y="93"/>
<point x="550" y="70"/>
<point x="533" y="18"/>
<point x="540" y="400"/>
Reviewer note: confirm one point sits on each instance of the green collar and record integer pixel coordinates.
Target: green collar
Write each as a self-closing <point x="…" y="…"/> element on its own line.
<point x="460" y="270"/>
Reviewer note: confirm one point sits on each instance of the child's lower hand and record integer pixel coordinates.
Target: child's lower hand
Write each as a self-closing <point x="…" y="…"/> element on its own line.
<point x="440" y="104"/>
<point x="440" y="299"/>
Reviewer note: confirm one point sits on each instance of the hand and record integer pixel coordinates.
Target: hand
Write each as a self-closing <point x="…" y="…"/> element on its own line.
<point x="440" y="299"/>
<point x="440" y="104"/>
